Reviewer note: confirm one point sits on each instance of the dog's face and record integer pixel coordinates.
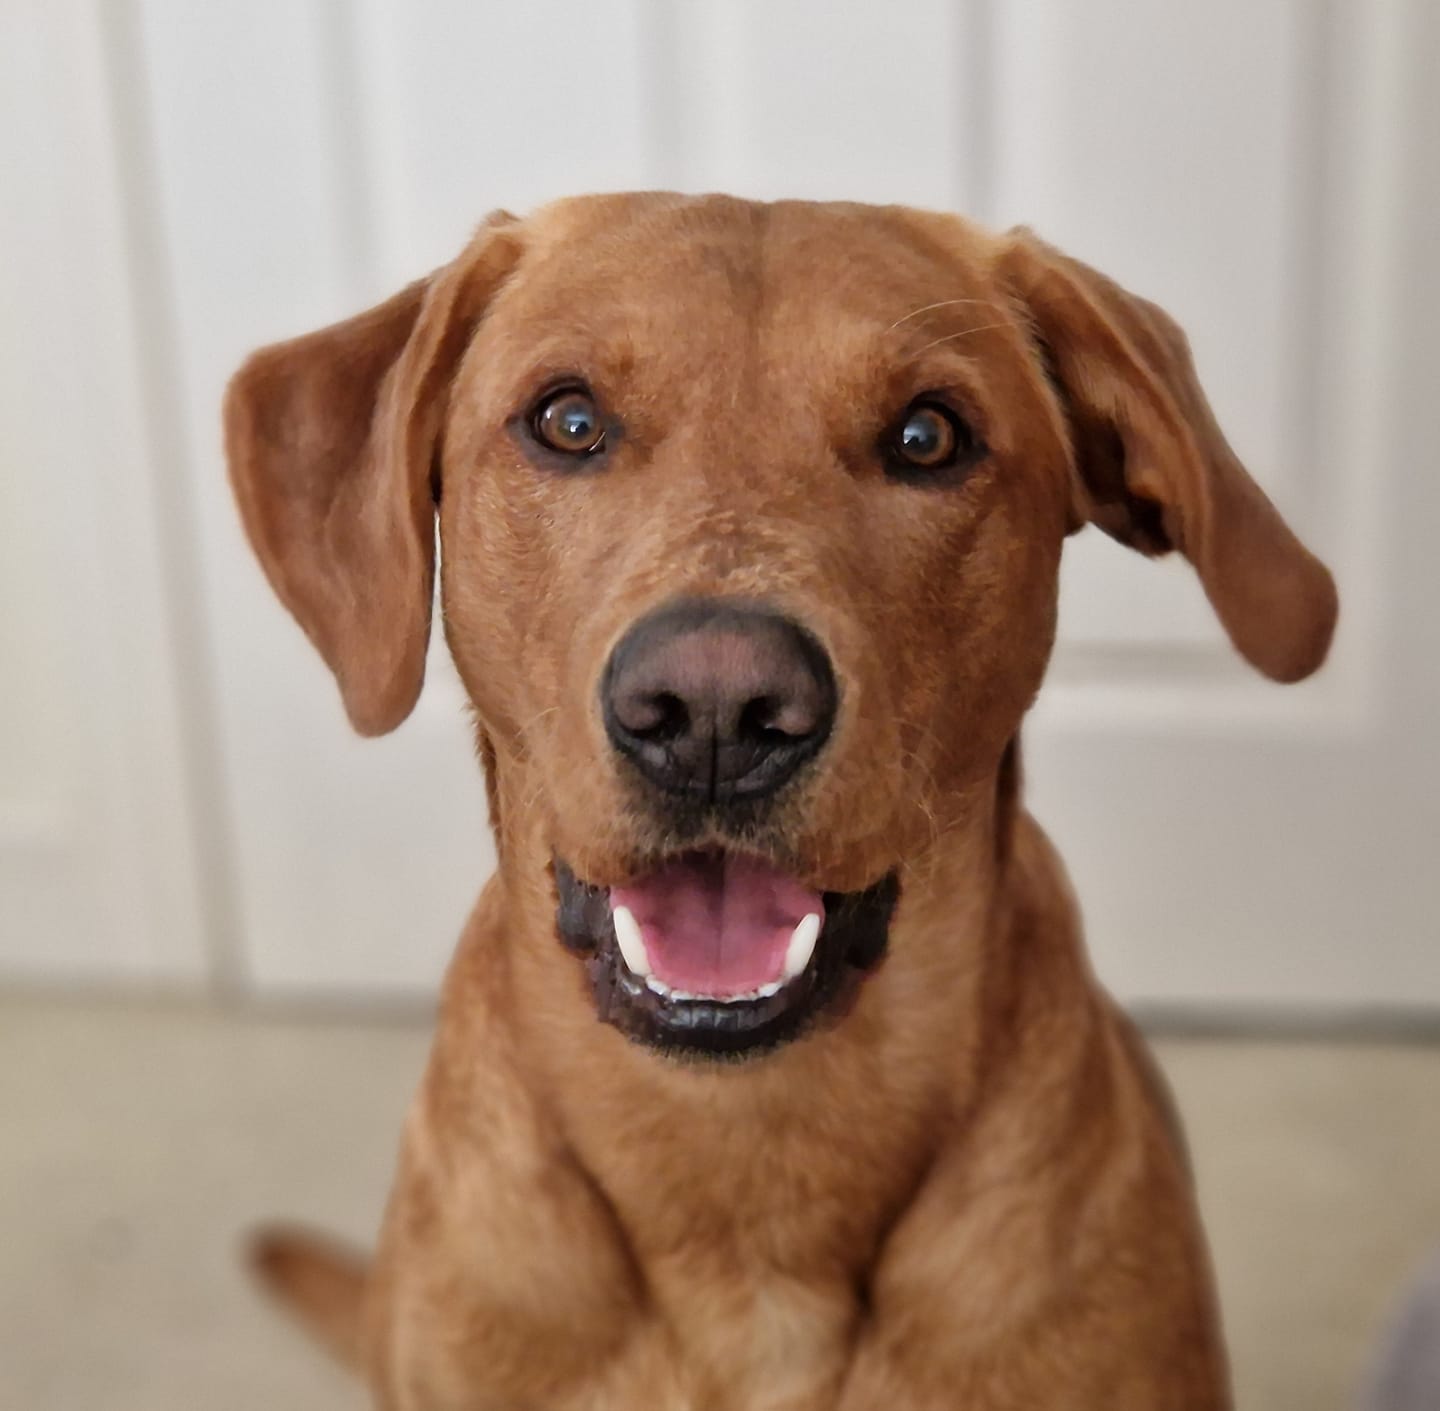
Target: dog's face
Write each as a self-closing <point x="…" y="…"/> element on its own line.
<point x="750" y="521"/>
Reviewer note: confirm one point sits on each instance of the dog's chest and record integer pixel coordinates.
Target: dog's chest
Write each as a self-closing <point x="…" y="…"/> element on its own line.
<point x="757" y="1341"/>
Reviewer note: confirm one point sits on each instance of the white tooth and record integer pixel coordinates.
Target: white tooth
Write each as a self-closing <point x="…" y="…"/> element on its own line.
<point x="632" y="945"/>
<point x="657" y="986"/>
<point x="802" y="945"/>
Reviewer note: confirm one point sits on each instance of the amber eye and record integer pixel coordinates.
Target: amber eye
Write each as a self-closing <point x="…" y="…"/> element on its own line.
<point x="930" y="437"/>
<point x="569" y="421"/>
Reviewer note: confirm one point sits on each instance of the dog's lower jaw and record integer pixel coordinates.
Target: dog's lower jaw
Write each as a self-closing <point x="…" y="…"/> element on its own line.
<point x="826" y="959"/>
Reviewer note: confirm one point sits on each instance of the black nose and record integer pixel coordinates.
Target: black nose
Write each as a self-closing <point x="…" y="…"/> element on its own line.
<point x="718" y="701"/>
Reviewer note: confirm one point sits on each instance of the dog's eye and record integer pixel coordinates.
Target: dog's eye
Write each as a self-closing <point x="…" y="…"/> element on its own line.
<point x="929" y="437"/>
<point x="569" y="421"/>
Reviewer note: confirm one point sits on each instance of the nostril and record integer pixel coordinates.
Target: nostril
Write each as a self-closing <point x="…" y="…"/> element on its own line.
<point x="761" y="721"/>
<point x="660" y="716"/>
<point x="790" y="714"/>
<point x="672" y="717"/>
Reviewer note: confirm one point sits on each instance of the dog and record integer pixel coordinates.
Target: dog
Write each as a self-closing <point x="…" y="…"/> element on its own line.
<point x="769" y="1071"/>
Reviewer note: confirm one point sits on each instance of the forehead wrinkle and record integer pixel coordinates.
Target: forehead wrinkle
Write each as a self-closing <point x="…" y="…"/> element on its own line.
<point x="514" y="356"/>
<point x="857" y="345"/>
<point x="689" y="310"/>
<point x="870" y="368"/>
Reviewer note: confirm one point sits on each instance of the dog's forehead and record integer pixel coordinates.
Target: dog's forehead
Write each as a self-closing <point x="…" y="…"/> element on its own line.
<point x="663" y="256"/>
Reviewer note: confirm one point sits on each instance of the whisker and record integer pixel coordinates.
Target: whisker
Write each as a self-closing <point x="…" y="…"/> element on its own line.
<point x="529" y="725"/>
<point x="963" y="333"/>
<point x="941" y="304"/>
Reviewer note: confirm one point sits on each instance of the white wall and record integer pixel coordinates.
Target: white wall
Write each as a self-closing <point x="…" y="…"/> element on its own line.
<point x="178" y="793"/>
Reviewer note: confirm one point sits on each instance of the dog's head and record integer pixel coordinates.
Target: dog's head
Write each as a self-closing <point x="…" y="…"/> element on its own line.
<point x="750" y="519"/>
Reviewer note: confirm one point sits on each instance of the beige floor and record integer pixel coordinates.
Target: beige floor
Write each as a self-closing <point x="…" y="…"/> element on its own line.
<point x="136" y="1142"/>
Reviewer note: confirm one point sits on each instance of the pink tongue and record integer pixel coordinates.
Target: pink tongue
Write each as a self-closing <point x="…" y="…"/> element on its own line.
<point x="717" y="925"/>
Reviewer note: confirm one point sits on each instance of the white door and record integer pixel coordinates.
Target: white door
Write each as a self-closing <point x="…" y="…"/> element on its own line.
<point x="100" y="848"/>
<point x="1261" y="167"/>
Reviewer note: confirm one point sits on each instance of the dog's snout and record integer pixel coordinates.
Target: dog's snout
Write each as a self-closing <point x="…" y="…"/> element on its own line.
<point x="717" y="700"/>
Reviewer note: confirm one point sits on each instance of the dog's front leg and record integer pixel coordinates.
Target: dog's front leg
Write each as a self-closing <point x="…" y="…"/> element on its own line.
<point x="955" y="1328"/>
<point x="1048" y="1267"/>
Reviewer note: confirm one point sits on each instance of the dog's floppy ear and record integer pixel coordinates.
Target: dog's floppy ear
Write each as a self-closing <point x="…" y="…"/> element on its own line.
<point x="331" y="441"/>
<point x="1154" y="470"/>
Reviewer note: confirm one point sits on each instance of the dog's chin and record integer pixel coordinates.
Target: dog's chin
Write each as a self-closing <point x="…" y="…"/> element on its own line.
<point x="718" y="955"/>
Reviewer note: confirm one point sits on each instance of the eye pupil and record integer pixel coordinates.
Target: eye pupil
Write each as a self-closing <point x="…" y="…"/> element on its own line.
<point x="575" y="423"/>
<point x="922" y="437"/>
<point x="930" y="438"/>
<point x="569" y="421"/>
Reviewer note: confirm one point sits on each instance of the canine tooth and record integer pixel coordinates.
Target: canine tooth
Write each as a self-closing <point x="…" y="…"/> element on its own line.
<point x="631" y="943"/>
<point x="802" y="945"/>
<point x="773" y="988"/>
<point x="658" y="986"/>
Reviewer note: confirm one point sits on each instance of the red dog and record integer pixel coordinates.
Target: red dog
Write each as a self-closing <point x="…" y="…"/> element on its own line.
<point x="770" y="1072"/>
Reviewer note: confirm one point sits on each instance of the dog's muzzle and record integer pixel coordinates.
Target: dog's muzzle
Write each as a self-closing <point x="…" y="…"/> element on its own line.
<point x="713" y="706"/>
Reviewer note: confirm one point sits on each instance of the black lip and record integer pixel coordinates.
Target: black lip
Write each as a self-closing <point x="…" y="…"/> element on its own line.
<point x="854" y="939"/>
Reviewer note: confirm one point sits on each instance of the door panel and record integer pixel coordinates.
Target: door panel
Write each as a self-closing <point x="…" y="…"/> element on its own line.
<point x="1254" y="166"/>
<point x="100" y="876"/>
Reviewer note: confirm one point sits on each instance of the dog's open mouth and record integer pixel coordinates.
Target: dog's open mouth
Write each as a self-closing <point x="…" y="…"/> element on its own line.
<point x="720" y="952"/>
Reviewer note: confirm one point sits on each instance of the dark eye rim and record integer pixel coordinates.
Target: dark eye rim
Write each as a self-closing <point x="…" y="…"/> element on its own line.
<point x="530" y="421"/>
<point x="969" y="447"/>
